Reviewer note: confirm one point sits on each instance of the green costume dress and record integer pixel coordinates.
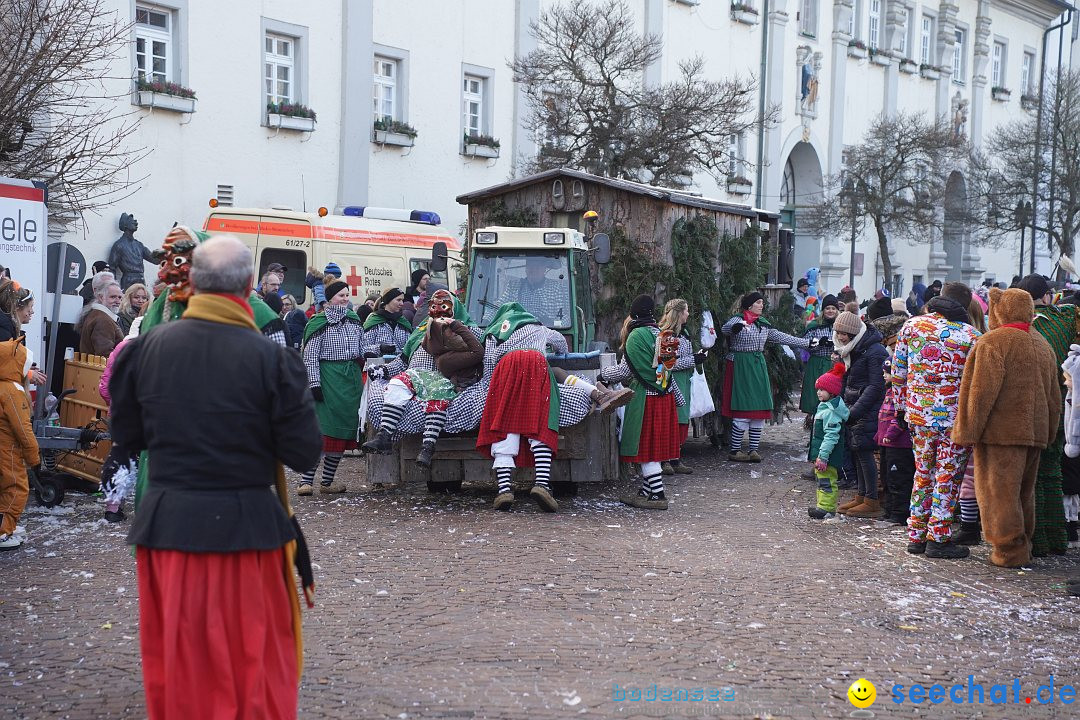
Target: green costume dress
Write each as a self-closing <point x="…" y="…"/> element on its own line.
<point x="1058" y="324"/>
<point x="820" y="362"/>
<point x="682" y="379"/>
<point x="640" y="352"/>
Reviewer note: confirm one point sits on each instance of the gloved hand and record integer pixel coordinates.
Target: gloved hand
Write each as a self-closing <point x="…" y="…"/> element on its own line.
<point x="820" y="465"/>
<point x="700" y="356"/>
<point x="379" y="372"/>
<point x="814" y="342"/>
<point x="316" y="392"/>
<point x="372" y="354"/>
<point x="737" y="328"/>
<point x="901" y="420"/>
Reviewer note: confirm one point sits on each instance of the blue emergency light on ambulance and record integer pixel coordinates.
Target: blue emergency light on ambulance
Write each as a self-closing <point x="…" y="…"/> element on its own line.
<point x="427" y="217"/>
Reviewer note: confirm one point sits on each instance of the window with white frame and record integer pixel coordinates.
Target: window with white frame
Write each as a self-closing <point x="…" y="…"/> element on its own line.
<point x="385" y="83"/>
<point x="874" y="35"/>
<point x="853" y="20"/>
<point x="808" y="18"/>
<point x="736" y="155"/>
<point x="926" y="39"/>
<point x="959" y="56"/>
<point x="473" y="105"/>
<point x="997" y="73"/>
<point x="279" y="61"/>
<point x="1026" y="77"/>
<point x="906" y="35"/>
<point x="153" y="44"/>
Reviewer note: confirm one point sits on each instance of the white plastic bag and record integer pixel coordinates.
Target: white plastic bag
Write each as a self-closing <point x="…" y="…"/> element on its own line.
<point x="708" y="330"/>
<point x="788" y="351"/>
<point x="701" y="402"/>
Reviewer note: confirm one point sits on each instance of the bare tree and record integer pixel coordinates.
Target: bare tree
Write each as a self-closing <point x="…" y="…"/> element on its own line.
<point x="894" y="179"/>
<point x="591" y="109"/>
<point x="1005" y="173"/>
<point x="58" y="120"/>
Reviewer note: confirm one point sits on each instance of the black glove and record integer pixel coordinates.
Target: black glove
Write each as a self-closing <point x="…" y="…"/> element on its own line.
<point x="316" y="392"/>
<point x="737" y="328"/>
<point x="372" y="354"/>
<point x="379" y="372"/>
<point x="814" y="342"/>
<point x="699" y="356"/>
<point x="388" y="349"/>
<point x="901" y="420"/>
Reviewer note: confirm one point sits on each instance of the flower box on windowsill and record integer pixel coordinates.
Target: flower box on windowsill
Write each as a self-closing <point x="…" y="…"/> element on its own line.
<point x="744" y="15"/>
<point x="162" y="101"/>
<point x="929" y="72"/>
<point x="909" y="67"/>
<point x="480" y="151"/>
<point x="739" y="186"/>
<point x="881" y="58"/>
<point x="385" y="137"/>
<point x="1001" y="94"/>
<point x="856" y="51"/>
<point x="1029" y="102"/>
<point x="290" y="122"/>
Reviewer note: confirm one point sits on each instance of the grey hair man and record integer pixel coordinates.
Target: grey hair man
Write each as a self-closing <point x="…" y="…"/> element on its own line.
<point x="208" y="515"/>
<point x="98" y="330"/>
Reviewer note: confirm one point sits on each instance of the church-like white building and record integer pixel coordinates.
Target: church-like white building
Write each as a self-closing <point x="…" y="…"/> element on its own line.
<point x="440" y="67"/>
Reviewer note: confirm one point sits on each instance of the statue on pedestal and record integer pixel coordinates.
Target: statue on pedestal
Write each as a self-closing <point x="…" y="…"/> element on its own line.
<point x="127" y="254"/>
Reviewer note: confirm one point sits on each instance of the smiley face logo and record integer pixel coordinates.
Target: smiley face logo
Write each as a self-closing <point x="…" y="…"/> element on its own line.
<point x="862" y="693"/>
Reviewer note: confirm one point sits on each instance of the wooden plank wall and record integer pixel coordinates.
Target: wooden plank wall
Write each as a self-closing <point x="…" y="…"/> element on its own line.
<point x="83" y="407"/>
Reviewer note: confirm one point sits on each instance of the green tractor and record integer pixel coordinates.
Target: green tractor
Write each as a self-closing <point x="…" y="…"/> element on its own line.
<point x="546" y="270"/>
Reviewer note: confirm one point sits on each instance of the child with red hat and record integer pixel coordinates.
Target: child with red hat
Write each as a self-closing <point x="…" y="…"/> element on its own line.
<point x="827" y="443"/>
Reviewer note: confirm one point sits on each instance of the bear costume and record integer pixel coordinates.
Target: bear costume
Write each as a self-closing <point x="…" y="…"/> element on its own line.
<point x="1009" y="409"/>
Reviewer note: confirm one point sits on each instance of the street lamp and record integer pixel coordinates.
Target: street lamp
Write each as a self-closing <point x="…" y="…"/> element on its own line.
<point x="849" y="196"/>
<point x="1023" y="214"/>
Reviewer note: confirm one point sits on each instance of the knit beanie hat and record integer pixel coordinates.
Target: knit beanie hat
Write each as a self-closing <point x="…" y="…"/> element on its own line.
<point x="643" y="307"/>
<point x="418" y="275"/>
<point x="749" y="299"/>
<point x="334" y="288"/>
<point x="830" y="300"/>
<point x="879" y="308"/>
<point x="847" y="322"/>
<point x="832" y="381"/>
<point x="899" y="307"/>
<point x="1036" y="285"/>
<point x="332" y="269"/>
<point x="386" y="297"/>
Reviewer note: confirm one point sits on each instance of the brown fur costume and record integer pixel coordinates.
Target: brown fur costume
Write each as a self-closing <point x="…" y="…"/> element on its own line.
<point x="1008" y="409"/>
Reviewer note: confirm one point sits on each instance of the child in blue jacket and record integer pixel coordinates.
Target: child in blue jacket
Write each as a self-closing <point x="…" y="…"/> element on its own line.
<point x="827" y="443"/>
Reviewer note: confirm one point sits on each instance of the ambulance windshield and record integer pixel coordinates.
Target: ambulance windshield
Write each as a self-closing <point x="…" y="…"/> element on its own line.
<point x="539" y="281"/>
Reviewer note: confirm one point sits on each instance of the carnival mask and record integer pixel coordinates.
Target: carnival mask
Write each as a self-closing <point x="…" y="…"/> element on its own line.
<point x="441" y="305"/>
<point x="176" y="266"/>
<point x="668" y="349"/>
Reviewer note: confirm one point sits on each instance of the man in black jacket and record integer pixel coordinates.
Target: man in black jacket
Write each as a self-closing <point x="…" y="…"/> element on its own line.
<point x="214" y="543"/>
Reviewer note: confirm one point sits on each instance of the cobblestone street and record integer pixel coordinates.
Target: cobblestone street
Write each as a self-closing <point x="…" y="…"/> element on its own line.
<point x="442" y="608"/>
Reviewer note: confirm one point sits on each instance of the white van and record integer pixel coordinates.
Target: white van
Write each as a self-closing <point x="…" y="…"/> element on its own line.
<point x="376" y="248"/>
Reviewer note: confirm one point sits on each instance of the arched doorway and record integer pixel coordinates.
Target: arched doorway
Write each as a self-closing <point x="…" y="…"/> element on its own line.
<point x="800" y="188"/>
<point x="955" y="230"/>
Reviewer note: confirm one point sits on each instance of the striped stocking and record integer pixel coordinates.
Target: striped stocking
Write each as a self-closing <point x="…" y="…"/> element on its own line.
<point x="542" y="455"/>
<point x="329" y="467"/>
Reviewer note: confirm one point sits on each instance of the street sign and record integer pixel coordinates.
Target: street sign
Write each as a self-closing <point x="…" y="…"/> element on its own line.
<point x="23" y="236"/>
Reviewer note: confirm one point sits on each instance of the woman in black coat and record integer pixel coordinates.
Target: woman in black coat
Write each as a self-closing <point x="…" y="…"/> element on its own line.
<point x="859" y="347"/>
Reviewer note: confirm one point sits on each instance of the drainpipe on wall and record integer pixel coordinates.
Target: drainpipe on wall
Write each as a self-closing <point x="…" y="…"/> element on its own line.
<point x="1054" y="142"/>
<point x="758" y="197"/>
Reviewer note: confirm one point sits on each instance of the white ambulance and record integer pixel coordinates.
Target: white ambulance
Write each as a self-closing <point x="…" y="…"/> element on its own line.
<point x="376" y="248"/>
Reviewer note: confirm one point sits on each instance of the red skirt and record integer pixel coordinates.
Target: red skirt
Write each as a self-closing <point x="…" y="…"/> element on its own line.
<point x="684" y="432"/>
<point x="660" y="434"/>
<point x="337" y="445"/>
<point x="518" y="402"/>
<point x="216" y="635"/>
<point x="725" y="404"/>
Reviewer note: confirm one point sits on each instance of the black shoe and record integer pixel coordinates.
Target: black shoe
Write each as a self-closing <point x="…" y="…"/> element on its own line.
<point x="969" y="534"/>
<point x="381" y="444"/>
<point x="900" y="519"/>
<point x="948" y="551"/>
<point x="427" y="451"/>
<point x="819" y="514"/>
<point x="916" y="548"/>
<point x="1072" y="530"/>
<point x="114" y="517"/>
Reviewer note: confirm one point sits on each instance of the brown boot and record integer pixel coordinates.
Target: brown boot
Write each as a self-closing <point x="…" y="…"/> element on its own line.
<point x="857" y="500"/>
<point x="608" y="400"/>
<point x="870" y="508"/>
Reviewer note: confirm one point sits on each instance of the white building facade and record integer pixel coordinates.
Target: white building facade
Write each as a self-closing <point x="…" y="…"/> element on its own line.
<point x="399" y="87"/>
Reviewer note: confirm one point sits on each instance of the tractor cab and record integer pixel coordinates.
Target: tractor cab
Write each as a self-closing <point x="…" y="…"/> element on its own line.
<point x="545" y="270"/>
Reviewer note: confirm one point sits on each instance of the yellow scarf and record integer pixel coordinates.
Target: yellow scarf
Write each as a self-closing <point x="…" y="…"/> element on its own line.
<point x="232" y="310"/>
